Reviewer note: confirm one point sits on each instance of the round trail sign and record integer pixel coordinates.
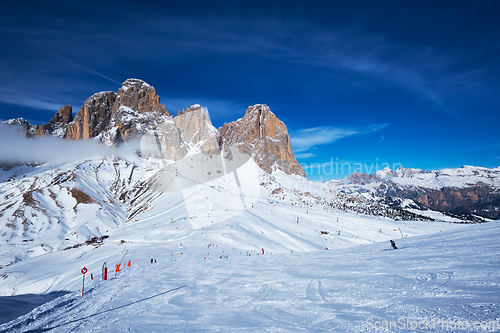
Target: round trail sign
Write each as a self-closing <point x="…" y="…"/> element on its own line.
<point x="84" y="270"/>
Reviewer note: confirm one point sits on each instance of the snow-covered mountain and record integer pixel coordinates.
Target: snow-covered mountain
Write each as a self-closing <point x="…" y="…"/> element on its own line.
<point x="462" y="191"/>
<point x="207" y="204"/>
<point x="55" y="206"/>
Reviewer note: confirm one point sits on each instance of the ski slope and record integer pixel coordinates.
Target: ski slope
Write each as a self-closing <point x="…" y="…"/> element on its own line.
<point x="448" y="276"/>
<point x="322" y="268"/>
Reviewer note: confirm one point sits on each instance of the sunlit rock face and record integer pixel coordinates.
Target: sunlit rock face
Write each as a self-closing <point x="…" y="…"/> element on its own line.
<point x="94" y="116"/>
<point x="58" y="125"/>
<point x="261" y="132"/>
<point x="191" y="131"/>
<point x="118" y="117"/>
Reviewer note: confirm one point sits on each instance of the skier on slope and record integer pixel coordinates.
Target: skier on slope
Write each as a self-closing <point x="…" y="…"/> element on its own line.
<point x="393" y="244"/>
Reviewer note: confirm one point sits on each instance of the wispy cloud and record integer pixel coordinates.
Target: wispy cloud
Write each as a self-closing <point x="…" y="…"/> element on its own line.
<point x="304" y="155"/>
<point x="31" y="102"/>
<point x="306" y="139"/>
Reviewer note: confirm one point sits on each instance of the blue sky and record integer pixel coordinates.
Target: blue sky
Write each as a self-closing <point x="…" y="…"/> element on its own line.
<point x="363" y="83"/>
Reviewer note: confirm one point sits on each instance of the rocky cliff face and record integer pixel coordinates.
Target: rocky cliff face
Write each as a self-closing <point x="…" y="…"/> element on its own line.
<point x="479" y="199"/>
<point x="58" y="125"/>
<point x="140" y="96"/>
<point x="189" y="131"/>
<point x="117" y="117"/>
<point x="94" y="116"/>
<point x="266" y="136"/>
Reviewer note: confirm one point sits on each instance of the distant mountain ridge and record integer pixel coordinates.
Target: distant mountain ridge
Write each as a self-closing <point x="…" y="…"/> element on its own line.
<point x="466" y="190"/>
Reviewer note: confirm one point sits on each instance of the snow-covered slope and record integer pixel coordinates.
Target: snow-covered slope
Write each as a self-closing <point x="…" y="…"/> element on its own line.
<point x="46" y="208"/>
<point x="52" y="207"/>
<point x="207" y="220"/>
<point x="217" y="285"/>
<point x="49" y="209"/>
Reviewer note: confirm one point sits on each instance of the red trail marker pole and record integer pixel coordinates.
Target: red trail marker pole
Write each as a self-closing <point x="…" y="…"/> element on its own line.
<point x="84" y="270"/>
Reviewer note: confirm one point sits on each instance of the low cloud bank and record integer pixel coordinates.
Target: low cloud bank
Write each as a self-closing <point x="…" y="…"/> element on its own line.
<point x="16" y="148"/>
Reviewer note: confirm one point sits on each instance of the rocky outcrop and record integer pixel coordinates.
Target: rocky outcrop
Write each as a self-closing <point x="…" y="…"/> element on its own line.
<point x="362" y="178"/>
<point x="266" y="136"/>
<point x="58" y="125"/>
<point x="117" y="117"/>
<point x="140" y="96"/>
<point x="196" y="129"/>
<point x="94" y="116"/>
<point x="191" y="130"/>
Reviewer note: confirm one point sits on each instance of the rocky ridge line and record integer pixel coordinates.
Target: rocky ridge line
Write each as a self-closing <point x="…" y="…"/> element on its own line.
<point x="135" y="110"/>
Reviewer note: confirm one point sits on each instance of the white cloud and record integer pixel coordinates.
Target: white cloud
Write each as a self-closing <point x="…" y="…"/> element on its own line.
<point x="34" y="103"/>
<point x="305" y="139"/>
<point x="16" y="148"/>
<point x="304" y="155"/>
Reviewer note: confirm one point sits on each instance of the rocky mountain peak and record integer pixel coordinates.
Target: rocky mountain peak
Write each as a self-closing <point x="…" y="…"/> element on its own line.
<point x="134" y="83"/>
<point x="58" y="125"/>
<point x="467" y="190"/>
<point x="362" y="178"/>
<point x="116" y="117"/>
<point x="266" y="136"/>
<point x="259" y="108"/>
<point x="139" y="96"/>
<point x="194" y="107"/>
<point x="189" y="131"/>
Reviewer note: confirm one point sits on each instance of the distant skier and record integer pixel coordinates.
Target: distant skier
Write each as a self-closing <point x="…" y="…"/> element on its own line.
<point x="151" y="260"/>
<point x="393" y="244"/>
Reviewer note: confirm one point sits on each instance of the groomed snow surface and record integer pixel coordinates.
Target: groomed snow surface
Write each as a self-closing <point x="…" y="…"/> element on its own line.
<point x="210" y="273"/>
<point x="447" y="277"/>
